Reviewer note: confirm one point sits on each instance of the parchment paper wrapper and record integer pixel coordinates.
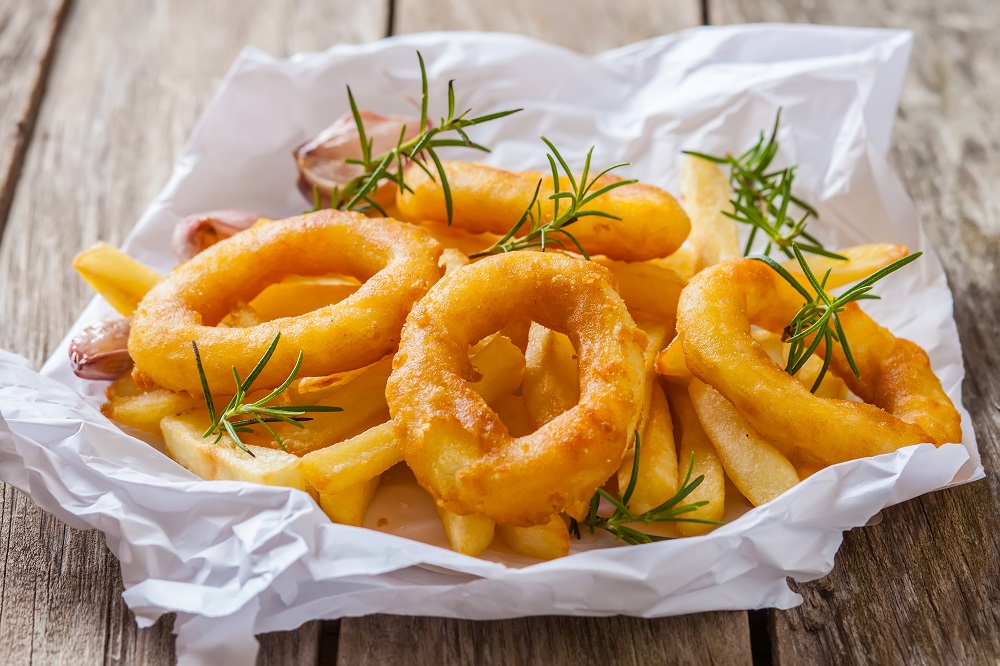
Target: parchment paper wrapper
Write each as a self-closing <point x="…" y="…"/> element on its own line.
<point x="234" y="559"/>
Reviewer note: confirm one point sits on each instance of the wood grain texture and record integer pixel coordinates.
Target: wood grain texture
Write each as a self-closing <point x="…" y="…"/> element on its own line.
<point x="696" y="639"/>
<point x="923" y="587"/>
<point x="126" y="86"/>
<point x="583" y="25"/>
<point x="27" y="41"/>
<point x="385" y="639"/>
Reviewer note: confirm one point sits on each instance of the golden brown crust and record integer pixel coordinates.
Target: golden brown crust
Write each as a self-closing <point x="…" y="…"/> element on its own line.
<point x="457" y="446"/>
<point x="398" y="261"/>
<point x="907" y="404"/>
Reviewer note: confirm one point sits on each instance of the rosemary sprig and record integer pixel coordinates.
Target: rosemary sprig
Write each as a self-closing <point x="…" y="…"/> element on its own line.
<point x="358" y="193"/>
<point x="580" y="193"/>
<point x="818" y="319"/>
<point x="619" y="522"/>
<point x="259" y="411"/>
<point x="763" y="198"/>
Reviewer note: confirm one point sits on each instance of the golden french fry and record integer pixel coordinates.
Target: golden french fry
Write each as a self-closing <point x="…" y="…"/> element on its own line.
<point x="757" y="469"/>
<point x="551" y="377"/>
<point x="451" y="260"/>
<point x="223" y="460"/>
<point x="119" y="278"/>
<point x="349" y="507"/>
<point x="705" y="197"/>
<point x="546" y="542"/>
<point x="862" y="261"/>
<point x="469" y="535"/>
<point x="656" y="334"/>
<point x="454" y="237"/>
<point x="295" y="296"/>
<point x="656" y="481"/>
<point x="647" y="287"/>
<point x="671" y="364"/>
<point x="336" y="468"/>
<point x="144" y="409"/>
<point x="684" y="262"/>
<point x="513" y="413"/>
<point x="695" y="443"/>
<point x="241" y="316"/>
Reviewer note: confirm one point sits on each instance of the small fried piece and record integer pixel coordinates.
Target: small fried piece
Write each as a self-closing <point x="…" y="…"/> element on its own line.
<point x="694" y="442"/>
<point x="297" y="295"/>
<point x="758" y="470"/>
<point x="119" y="278"/>
<point x="143" y="409"/>
<point x="349" y="507"/>
<point x="657" y="480"/>
<point x="469" y="535"/>
<point x="862" y="261"/>
<point x="551" y="383"/>
<point x="706" y="197"/>
<point x="546" y="541"/>
<point x="649" y="289"/>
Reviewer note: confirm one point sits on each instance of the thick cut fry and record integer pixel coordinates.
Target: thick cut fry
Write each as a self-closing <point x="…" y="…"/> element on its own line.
<point x="862" y="261"/>
<point x="832" y="386"/>
<point x="671" y="364"/>
<point x="119" y="278"/>
<point x="451" y="260"/>
<point x="551" y="377"/>
<point x="657" y="477"/>
<point x="223" y="461"/>
<point x="144" y="409"/>
<point x="297" y="295"/>
<point x="333" y="469"/>
<point x="694" y="442"/>
<point x="759" y="470"/>
<point x="469" y="535"/>
<point x="513" y="413"/>
<point x="546" y="542"/>
<point x="684" y="262"/>
<point x="656" y="334"/>
<point x="648" y="288"/>
<point x="457" y="238"/>
<point x="705" y="196"/>
<point x="350" y="506"/>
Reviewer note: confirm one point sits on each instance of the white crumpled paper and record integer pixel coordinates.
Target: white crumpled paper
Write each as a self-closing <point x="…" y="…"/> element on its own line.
<point x="234" y="559"/>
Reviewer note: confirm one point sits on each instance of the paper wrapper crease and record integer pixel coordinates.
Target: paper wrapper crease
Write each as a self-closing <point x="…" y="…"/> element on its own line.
<point x="234" y="559"/>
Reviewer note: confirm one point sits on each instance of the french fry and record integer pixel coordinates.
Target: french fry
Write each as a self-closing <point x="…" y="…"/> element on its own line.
<point x="647" y="287"/>
<point x="684" y="262"/>
<point x="656" y="481"/>
<point x="832" y="386"/>
<point x="469" y="535"/>
<point x="513" y="413"/>
<point x="144" y="409"/>
<point x="551" y="377"/>
<point x="296" y="295"/>
<point x="119" y="278"/>
<point x="671" y="364"/>
<point x="546" y="542"/>
<point x="336" y="468"/>
<point x="350" y="506"/>
<point x="757" y="469"/>
<point x="657" y="334"/>
<point x="862" y="261"/>
<point x="706" y="196"/>
<point x="695" y="442"/>
<point x="451" y="260"/>
<point x="453" y="237"/>
<point x="223" y="461"/>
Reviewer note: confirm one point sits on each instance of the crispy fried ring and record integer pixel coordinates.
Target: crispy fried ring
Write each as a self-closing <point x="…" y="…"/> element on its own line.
<point x="397" y="261"/>
<point x="485" y="199"/>
<point x="908" y="405"/>
<point x="457" y="446"/>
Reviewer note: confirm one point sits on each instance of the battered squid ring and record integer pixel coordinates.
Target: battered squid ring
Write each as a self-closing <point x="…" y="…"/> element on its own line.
<point x="486" y="199"/>
<point x="457" y="446"/>
<point x="398" y="261"/>
<point x="908" y="405"/>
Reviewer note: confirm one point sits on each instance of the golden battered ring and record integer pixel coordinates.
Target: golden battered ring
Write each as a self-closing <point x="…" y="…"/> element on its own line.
<point x="457" y="446"/>
<point x="907" y="404"/>
<point x="397" y="262"/>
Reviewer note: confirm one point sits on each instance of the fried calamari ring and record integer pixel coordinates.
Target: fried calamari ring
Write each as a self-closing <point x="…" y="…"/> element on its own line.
<point x="908" y="405"/>
<point x="457" y="446"/>
<point x="485" y="199"/>
<point x="397" y="261"/>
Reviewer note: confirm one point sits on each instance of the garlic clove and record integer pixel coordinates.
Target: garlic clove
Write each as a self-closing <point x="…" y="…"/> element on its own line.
<point x="196" y="232"/>
<point x="100" y="351"/>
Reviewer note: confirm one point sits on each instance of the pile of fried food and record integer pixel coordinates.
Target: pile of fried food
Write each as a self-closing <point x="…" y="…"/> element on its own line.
<point x="549" y="354"/>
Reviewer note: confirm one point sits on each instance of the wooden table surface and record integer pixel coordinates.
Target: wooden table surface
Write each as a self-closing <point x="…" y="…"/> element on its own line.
<point x="96" y="100"/>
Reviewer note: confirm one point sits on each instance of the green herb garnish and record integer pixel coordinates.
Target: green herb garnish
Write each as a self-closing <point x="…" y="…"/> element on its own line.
<point x="259" y="411"/>
<point x="618" y="523"/>
<point x="580" y="193"/>
<point x="818" y="321"/>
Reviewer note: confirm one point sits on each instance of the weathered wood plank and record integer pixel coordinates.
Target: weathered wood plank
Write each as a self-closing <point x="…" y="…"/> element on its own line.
<point x="923" y="586"/>
<point x="583" y="25"/>
<point x="27" y="41"/>
<point x="127" y="84"/>
<point x="709" y="638"/>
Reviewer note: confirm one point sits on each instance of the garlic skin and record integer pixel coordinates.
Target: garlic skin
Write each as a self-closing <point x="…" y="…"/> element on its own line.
<point x="198" y="231"/>
<point x="100" y="351"/>
<point x="321" y="160"/>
